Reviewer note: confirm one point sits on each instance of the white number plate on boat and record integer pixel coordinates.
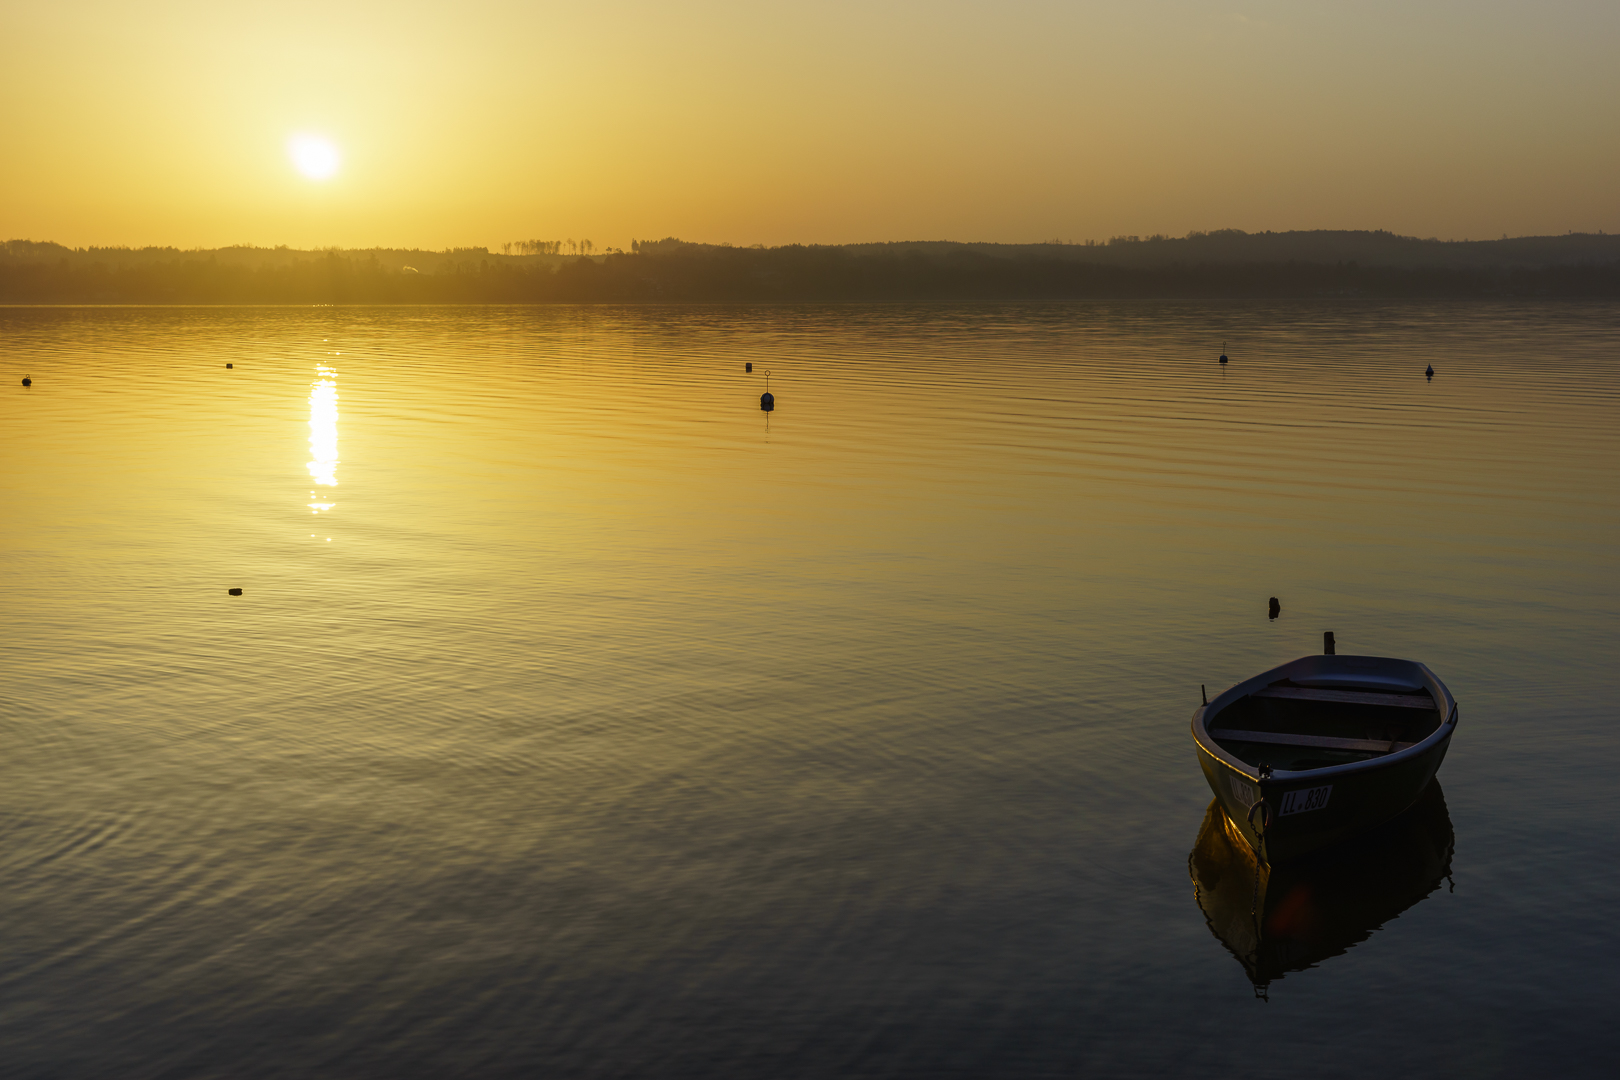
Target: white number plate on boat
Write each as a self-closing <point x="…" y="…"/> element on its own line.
<point x="1297" y="802"/>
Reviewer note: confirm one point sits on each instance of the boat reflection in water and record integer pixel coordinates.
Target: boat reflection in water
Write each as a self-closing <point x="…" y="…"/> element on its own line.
<point x="1293" y="916"/>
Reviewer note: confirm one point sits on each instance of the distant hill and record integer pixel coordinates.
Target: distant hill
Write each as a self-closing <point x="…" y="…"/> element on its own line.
<point x="1226" y="262"/>
<point x="1225" y="247"/>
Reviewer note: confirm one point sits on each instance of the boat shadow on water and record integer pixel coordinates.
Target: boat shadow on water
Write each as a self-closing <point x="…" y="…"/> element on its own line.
<point x="1293" y="916"/>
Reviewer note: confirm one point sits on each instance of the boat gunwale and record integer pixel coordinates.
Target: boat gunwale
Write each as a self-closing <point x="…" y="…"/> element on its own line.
<point x="1445" y="704"/>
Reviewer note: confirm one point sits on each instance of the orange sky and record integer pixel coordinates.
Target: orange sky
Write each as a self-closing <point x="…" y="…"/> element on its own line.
<point x="487" y="121"/>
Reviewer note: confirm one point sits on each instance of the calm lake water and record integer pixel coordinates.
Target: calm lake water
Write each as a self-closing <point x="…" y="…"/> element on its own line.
<point x="579" y="719"/>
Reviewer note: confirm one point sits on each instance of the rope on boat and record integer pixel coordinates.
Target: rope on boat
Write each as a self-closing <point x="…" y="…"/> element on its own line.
<point x="1256" y="920"/>
<point x="1259" y="853"/>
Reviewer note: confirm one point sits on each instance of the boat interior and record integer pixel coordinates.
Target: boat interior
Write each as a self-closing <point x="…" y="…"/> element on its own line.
<point x="1314" y="723"/>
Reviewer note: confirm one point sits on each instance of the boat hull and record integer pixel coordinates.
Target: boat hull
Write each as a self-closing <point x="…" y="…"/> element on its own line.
<point x="1357" y="800"/>
<point x="1280" y="919"/>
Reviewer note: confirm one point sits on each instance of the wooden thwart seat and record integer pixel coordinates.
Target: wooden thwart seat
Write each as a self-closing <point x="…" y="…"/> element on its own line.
<point x="1348" y="697"/>
<point x="1324" y="742"/>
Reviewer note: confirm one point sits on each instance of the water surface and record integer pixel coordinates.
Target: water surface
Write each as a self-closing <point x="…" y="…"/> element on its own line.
<point x="579" y="719"/>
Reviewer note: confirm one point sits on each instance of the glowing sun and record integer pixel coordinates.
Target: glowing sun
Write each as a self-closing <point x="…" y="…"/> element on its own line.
<point x="314" y="156"/>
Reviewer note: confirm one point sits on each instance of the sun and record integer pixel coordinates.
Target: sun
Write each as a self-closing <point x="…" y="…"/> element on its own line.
<point x="314" y="156"/>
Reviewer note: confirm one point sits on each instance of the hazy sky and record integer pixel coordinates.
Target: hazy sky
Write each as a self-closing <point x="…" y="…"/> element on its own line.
<point x="483" y="121"/>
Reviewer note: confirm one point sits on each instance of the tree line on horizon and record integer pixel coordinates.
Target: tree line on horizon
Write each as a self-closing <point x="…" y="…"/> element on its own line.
<point x="671" y="271"/>
<point x="551" y="247"/>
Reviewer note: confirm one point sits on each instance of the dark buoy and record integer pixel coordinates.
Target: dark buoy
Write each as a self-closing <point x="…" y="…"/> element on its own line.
<point x="27" y="381"/>
<point x="1223" y="352"/>
<point x="234" y="592"/>
<point x="767" y="401"/>
<point x="1429" y="372"/>
<point x="1327" y="643"/>
<point x="748" y="367"/>
<point x="1276" y="608"/>
<point x="230" y="365"/>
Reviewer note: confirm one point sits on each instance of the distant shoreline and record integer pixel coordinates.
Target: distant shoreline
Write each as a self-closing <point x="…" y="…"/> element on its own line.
<point x="403" y="305"/>
<point x="1207" y="266"/>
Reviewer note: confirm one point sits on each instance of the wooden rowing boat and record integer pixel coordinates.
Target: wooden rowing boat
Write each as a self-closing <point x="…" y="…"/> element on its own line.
<point x="1315" y="751"/>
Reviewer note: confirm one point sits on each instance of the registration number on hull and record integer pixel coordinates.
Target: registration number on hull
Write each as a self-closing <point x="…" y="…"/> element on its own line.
<point x="1297" y="802"/>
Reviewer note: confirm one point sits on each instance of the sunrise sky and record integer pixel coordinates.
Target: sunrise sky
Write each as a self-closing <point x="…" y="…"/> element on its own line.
<point x="484" y="121"/>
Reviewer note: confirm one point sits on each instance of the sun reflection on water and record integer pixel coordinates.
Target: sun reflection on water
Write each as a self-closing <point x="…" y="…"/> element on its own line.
<point x="323" y="417"/>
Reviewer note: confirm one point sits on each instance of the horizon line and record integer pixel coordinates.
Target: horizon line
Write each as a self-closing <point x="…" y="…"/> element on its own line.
<point x="589" y="248"/>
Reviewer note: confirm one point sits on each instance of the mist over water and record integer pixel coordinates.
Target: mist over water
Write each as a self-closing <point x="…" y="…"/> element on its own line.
<point x="578" y="718"/>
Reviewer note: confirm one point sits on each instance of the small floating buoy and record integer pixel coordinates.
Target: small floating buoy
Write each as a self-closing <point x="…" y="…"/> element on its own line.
<point x="27" y="381"/>
<point x="749" y="367"/>
<point x="234" y="592"/>
<point x="1429" y="372"/>
<point x="1327" y="643"/>
<point x="1275" y="607"/>
<point x="1223" y="352"/>
<point x="767" y="401"/>
<point x="230" y="365"/>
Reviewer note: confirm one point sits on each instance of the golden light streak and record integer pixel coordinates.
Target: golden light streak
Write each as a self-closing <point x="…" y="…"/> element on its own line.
<point x="323" y="435"/>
